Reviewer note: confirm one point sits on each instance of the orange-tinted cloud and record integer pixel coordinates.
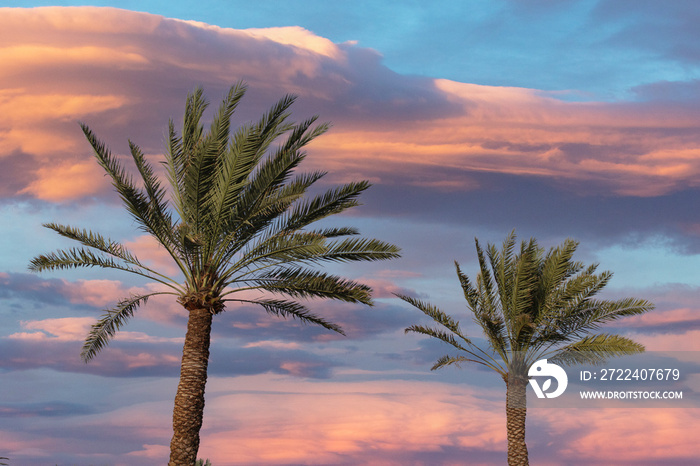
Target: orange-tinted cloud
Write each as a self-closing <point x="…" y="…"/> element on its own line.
<point x="685" y="341"/>
<point x="152" y="254"/>
<point x="65" y="182"/>
<point x="657" y="436"/>
<point x="364" y="423"/>
<point x="61" y="329"/>
<point x="128" y="76"/>
<point x="394" y="422"/>
<point x="77" y="328"/>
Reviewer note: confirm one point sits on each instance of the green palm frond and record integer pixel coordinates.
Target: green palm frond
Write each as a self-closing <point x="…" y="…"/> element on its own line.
<point x="281" y="249"/>
<point x="332" y="202"/>
<point x="134" y="199"/>
<point x="203" y="164"/>
<point x="596" y="349"/>
<point x="436" y="333"/>
<point x="436" y="314"/>
<point x="470" y="293"/>
<point x="79" y="257"/>
<point x="358" y="249"/>
<point x="580" y="320"/>
<point x="154" y="189"/>
<point x="261" y="198"/>
<point x="448" y="360"/>
<point x="557" y="267"/>
<point x="192" y="130"/>
<point x="266" y="195"/>
<point x="487" y="303"/>
<point x="334" y="232"/>
<point x="285" y="308"/>
<point x="305" y="283"/>
<point x="108" y="325"/>
<point x="485" y="314"/>
<point x="96" y="241"/>
<point x="503" y="267"/>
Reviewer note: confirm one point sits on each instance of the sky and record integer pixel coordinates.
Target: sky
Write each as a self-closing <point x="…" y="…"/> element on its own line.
<point x="559" y="119"/>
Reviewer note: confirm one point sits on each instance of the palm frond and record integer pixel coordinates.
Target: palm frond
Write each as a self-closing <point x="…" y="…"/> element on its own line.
<point x="260" y="203"/>
<point x="304" y="283"/>
<point x="436" y="314"/>
<point x="108" y="325"/>
<point x="558" y="266"/>
<point x="485" y="314"/>
<point x="591" y="314"/>
<point x="488" y="303"/>
<point x="596" y="349"/>
<point x="448" y="360"/>
<point x="285" y="308"/>
<point x="331" y="202"/>
<point x="358" y="249"/>
<point x="334" y="232"/>
<point x="222" y="176"/>
<point x="268" y="192"/>
<point x="157" y="212"/>
<point x="136" y="201"/>
<point x="281" y="249"/>
<point x="436" y="333"/>
<point x="77" y="257"/>
<point x="470" y="293"/>
<point x="192" y="130"/>
<point x="96" y="241"/>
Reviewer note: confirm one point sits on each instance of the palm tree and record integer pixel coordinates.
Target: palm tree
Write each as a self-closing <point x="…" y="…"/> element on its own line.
<point x="239" y="223"/>
<point x="531" y="306"/>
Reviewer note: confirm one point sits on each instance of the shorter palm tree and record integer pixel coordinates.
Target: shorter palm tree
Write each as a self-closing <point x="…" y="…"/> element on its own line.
<point x="531" y="306"/>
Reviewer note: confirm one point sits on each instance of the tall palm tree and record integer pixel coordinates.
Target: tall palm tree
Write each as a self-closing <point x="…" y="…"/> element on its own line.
<point x="531" y="306"/>
<point x="235" y="219"/>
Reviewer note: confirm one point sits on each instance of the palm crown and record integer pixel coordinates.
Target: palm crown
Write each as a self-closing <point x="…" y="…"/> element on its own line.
<point x="240" y="219"/>
<point x="533" y="305"/>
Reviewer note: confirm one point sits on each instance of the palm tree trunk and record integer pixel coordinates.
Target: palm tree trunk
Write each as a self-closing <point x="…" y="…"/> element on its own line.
<point x="516" y="409"/>
<point x="189" y="400"/>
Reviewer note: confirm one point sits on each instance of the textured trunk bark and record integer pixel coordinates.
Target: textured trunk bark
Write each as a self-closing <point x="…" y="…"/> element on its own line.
<point x="516" y="409"/>
<point x="189" y="400"/>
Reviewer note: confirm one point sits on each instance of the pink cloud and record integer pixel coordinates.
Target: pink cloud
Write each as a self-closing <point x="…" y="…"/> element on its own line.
<point x="65" y="182"/>
<point x="383" y="288"/>
<point x="685" y="341"/>
<point x="299" y="38"/>
<point x="151" y="253"/>
<point x="386" y="422"/>
<point x="76" y="329"/>
<point x="404" y="126"/>
<point x="106" y="294"/>
<point x="98" y="293"/>
<point x="61" y="329"/>
<point x="660" y="318"/>
<point x="657" y="436"/>
<point x="272" y="419"/>
<point x="364" y="426"/>
<point x="275" y="344"/>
